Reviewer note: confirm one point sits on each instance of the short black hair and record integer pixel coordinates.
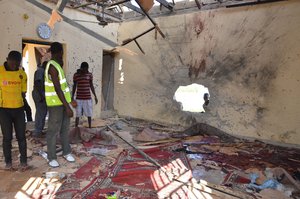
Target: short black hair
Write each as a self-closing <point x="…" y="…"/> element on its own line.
<point x="56" y="47"/>
<point x="15" y="55"/>
<point x="84" y="65"/>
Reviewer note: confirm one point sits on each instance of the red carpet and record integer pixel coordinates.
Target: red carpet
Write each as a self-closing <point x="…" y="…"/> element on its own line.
<point x="137" y="178"/>
<point x="72" y="185"/>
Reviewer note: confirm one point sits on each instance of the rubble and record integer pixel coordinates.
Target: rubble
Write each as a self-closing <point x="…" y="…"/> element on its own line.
<point x="227" y="166"/>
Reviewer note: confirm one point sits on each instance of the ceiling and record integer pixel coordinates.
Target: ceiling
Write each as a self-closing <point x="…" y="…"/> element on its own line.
<point x="115" y="11"/>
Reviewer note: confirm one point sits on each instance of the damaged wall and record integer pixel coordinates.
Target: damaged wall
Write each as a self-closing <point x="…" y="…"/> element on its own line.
<point x="79" y="46"/>
<point x="248" y="57"/>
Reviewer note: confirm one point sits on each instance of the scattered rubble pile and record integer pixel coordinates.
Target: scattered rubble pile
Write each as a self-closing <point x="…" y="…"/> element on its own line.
<point x="222" y="166"/>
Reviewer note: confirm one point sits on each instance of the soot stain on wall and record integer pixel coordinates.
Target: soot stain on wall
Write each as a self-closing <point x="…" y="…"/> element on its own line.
<point x="226" y="69"/>
<point x="238" y="68"/>
<point x="260" y="78"/>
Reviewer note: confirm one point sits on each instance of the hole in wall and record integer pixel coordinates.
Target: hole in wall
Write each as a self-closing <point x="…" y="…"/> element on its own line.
<point x="192" y="98"/>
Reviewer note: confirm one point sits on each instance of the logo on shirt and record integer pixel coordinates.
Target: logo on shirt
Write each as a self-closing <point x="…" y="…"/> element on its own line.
<point x="5" y="83"/>
<point x="8" y="83"/>
<point x="21" y="76"/>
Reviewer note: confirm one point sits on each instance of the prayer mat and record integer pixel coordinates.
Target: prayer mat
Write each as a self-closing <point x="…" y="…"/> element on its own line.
<point x="135" y="177"/>
<point x="78" y="180"/>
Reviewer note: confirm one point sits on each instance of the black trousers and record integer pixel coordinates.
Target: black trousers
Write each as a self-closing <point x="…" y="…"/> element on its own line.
<point x="9" y="118"/>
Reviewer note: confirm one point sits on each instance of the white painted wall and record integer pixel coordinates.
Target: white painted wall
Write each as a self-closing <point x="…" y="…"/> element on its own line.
<point x="79" y="46"/>
<point x="252" y="70"/>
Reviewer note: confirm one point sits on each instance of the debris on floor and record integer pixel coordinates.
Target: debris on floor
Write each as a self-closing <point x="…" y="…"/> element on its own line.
<point x="140" y="159"/>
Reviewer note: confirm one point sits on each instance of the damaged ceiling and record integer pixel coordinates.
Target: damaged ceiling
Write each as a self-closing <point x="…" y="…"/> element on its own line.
<point x="116" y="11"/>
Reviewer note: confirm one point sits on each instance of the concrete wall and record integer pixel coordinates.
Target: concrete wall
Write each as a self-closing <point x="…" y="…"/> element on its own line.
<point x="79" y="46"/>
<point x="250" y="63"/>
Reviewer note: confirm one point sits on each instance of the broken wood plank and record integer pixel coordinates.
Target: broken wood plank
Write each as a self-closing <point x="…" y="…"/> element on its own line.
<point x="217" y="190"/>
<point x="159" y="142"/>
<point x="226" y="190"/>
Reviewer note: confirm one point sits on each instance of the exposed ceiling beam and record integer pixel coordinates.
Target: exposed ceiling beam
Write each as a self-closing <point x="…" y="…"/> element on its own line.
<point x="165" y="4"/>
<point x="94" y="10"/>
<point x="118" y="2"/>
<point x="75" y="24"/>
<point x="134" y="8"/>
<point x="245" y="3"/>
<point x="198" y="4"/>
<point x="61" y="4"/>
<point x="83" y="5"/>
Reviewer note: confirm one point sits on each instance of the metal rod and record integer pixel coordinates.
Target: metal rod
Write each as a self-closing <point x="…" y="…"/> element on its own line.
<point x="198" y="4"/>
<point x="138" y="150"/>
<point x="165" y="4"/>
<point x="160" y="32"/>
<point x="130" y="40"/>
<point x="61" y="4"/>
<point x="85" y="21"/>
<point x="83" y="5"/>
<point x="152" y="21"/>
<point x="253" y="3"/>
<point x="139" y="46"/>
<point x="117" y="3"/>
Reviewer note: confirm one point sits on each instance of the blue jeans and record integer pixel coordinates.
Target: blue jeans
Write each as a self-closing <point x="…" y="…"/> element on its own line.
<point x="58" y="123"/>
<point x="40" y="114"/>
<point x="10" y="117"/>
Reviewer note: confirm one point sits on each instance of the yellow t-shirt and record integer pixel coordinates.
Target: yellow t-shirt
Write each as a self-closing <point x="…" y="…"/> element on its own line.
<point x="12" y="85"/>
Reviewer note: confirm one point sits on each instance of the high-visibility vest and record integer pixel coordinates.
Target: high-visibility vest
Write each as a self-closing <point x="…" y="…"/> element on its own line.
<point x="52" y="98"/>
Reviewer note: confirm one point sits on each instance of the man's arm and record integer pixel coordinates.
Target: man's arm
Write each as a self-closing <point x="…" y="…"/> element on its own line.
<point x="23" y="84"/>
<point x="93" y="91"/>
<point x="74" y="89"/>
<point x="54" y="76"/>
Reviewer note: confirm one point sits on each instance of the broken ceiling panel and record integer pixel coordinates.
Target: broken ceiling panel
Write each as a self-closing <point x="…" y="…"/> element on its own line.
<point x="116" y="11"/>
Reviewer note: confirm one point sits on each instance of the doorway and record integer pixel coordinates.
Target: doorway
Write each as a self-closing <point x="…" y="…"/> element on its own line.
<point x="34" y="53"/>
<point x="107" y="98"/>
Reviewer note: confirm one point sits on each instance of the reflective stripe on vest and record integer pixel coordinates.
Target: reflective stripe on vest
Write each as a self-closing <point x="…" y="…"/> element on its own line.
<point x="52" y="98"/>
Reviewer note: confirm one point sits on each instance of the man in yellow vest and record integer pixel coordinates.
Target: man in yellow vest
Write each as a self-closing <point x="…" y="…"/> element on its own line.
<point x="13" y="86"/>
<point x="58" y="97"/>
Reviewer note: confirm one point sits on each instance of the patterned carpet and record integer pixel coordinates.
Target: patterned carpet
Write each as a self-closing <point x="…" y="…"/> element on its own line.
<point x="134" y="177"/>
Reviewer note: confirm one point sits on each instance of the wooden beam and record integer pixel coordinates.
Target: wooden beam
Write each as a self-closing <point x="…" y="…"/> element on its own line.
<point x="127" y="41"/>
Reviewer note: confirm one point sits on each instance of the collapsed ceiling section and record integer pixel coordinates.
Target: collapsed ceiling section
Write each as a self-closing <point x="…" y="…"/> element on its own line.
<point x="109" y="11"/>
<point x="116" y="11"/>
